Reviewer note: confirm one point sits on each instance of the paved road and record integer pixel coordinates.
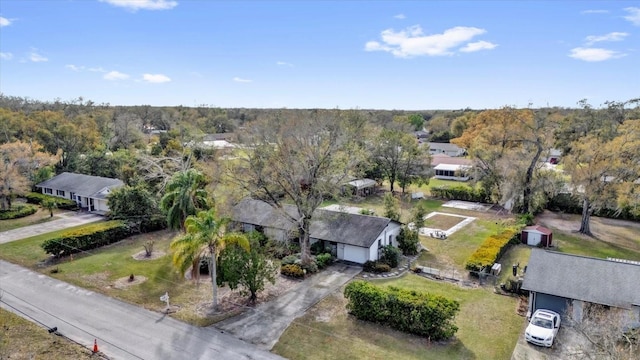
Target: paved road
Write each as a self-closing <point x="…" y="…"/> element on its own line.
<point x="263" y="325"/>
<point x="69" y="219"/>
<point x="123" y="331"/>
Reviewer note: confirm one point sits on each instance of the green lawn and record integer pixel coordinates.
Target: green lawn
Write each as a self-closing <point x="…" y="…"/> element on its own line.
<point x="454" y="251"/>
<point x="516" y="254"/>
<point x="488" y="329"/>
<point x="41" y="216"/>
<point x="581" y="245"/>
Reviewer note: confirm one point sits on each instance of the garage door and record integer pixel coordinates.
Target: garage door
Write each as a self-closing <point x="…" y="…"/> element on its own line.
<point x="533" y="239"/>
<point x="551" y="302"/>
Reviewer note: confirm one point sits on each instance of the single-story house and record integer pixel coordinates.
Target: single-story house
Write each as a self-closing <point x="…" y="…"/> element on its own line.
<point x="536" y="235"/>
<point x="351" y="237"/>
<point x="445" y="148"/>
<point x="452" y="172"/>
<point x="570" y="284"/>
<point x="90" y="192"/>
<point x="215" y="141"/>
<point x="438" y="159"/>
<point x="361" y="187"/>
<point x="421" y="135"/>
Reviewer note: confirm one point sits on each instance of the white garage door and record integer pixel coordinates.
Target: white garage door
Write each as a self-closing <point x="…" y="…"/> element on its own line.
<point x="355" y="254"/>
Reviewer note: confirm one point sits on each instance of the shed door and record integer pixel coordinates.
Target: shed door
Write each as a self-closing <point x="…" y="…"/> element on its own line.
<point x="533" y="238"/>
<point x="551" y="302"/>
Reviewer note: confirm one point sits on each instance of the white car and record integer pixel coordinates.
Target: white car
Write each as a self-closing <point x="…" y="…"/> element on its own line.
<point x="543" y="328"/>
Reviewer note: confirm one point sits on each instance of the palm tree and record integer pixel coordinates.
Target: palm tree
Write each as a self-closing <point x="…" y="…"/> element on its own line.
<point x="49" y="204"/>
<point x="185" y="195"/>
<point x="204" y="237"/>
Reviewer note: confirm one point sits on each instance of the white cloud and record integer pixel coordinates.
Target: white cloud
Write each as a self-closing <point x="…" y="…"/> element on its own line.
<point x="597" y="11"/>
<point x="115" y="75"/>
<point x="478" y="45"/>
<point x="97" y="69"/>
<point x="135" y="5"/>
<point x="4" y="21"/>
<point x="413" y="42"/>
<point x="155" y="78"/>
<point x="634" y="15"/>
<point x="613" y="36"/>
<point x="240" y="80"/>
<point x="283" y="63"/>
<point x="594" y="54"/>
<point x="35" y="57"/>
<point x="6" y="55"/>
<point x="74" y="67"/>
<point x="400" y="16"/>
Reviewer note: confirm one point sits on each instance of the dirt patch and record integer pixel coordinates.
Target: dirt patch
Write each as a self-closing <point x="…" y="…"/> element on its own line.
<point x="125" y="282"/>
<point x="442" y="221"/>
<point x="142" y="255"/>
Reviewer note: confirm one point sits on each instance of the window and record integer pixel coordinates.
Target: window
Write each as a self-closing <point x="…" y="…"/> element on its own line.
<point x="48" y="191"/>
<point x="379" y="243"/>
<point x="60" y="192"/>
<point x="390" y="237"/>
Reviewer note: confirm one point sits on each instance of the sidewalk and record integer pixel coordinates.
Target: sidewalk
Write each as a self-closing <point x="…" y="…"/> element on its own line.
<point x="69" y="219"/>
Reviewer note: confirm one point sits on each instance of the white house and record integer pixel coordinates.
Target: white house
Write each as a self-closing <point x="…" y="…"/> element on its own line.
<point x="452" y="172"/>
<point x="89" y="192"/>
<point x="351" y="237"/>
<point x="445" y="148"/>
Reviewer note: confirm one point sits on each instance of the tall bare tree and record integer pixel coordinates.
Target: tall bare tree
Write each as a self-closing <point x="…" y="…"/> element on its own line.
<point x="299" y="158"/>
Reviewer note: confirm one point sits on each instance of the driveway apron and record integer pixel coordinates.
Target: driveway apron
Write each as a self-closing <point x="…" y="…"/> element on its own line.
<point x="264" y="324"/>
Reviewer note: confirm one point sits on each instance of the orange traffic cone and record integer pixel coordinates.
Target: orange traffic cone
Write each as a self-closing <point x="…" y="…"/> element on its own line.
<point x="95" y="345"/>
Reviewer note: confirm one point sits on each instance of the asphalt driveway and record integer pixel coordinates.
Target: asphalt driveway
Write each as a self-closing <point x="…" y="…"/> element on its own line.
<point x="69" y="219"/>
<point x="263" y="325"/>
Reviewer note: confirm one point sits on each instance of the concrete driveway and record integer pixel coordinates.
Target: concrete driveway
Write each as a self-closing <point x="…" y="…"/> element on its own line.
<point x="264" y="324"/>
<point x="69" y="219"/>
<point x="569" y="344"/>
<point x="123" y="331"/>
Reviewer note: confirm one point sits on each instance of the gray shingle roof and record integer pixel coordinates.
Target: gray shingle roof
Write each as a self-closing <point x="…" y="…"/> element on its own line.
<point x="83" y="185"/>
<point x="583" y="278"/>
<point x="340" y="227"/>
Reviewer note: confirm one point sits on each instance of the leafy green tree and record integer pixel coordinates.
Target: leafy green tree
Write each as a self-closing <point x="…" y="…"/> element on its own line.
<point x="417" y="121"/>
<point x="399" y="156"/>
<point x="249" y="269"/>
<point x="419" y="213"/>
<point x="133" y="203"/>
<point x="49" y="204"/>
<point x="185" y="195"/>
<point x="391" y="207"/>
<point x="390" y="255"/>
<point x="205" y="236"/>
<point x="408" y="241"/>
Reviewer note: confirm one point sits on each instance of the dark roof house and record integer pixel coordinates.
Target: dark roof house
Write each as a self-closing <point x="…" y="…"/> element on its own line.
<point x="88" y="191"/>
<point x="351" y="231"/>
<point x="557" y="280"/>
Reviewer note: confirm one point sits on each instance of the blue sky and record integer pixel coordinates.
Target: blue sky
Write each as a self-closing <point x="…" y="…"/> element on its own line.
<point x="412" y="55"/>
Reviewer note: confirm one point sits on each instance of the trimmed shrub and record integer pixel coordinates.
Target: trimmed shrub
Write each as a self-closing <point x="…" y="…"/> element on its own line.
<point x="317" y="248"/>
<point x="311" y="267"/>
<point x="408" y="241"/>
<point x="154" y="223"/>
<point x="491" y="250"/>
<point x="369" y="266"/>
<point x="62" y="203"/>
<point x="18" y="211"/>
<point x="381" y="268"/>
<point x="460" y="193"/>
<point x="292" y="270"/>
<point x="413" y="312"/>
<point x="324" y="260"/>
<point x="86" y="238"/>
<point x="390" y="256"/>
<point x="289" y="259"/>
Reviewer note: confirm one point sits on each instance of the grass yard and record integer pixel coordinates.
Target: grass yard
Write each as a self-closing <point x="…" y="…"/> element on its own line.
<point x="587" y="246"/>
<point x="516" y="254"/>
<point x="41" y="216"/>
<point x="40" y="345"/>
<point x="443" y="222"/>
<point x="456" y="249"/>
<point x="488" y="329"/>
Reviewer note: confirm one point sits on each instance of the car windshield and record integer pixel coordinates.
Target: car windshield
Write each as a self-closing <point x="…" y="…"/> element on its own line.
<point x="544" y="323"/>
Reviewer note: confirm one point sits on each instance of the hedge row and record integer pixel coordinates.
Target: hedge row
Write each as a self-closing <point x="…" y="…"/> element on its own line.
<point x="87" y="238"/>
<point x="413" y="312"/>
<point x="18" y="211"/>
<point x="491" y="250"/>
<point x="61" y="203"/>
<point x="464" y="193"/>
